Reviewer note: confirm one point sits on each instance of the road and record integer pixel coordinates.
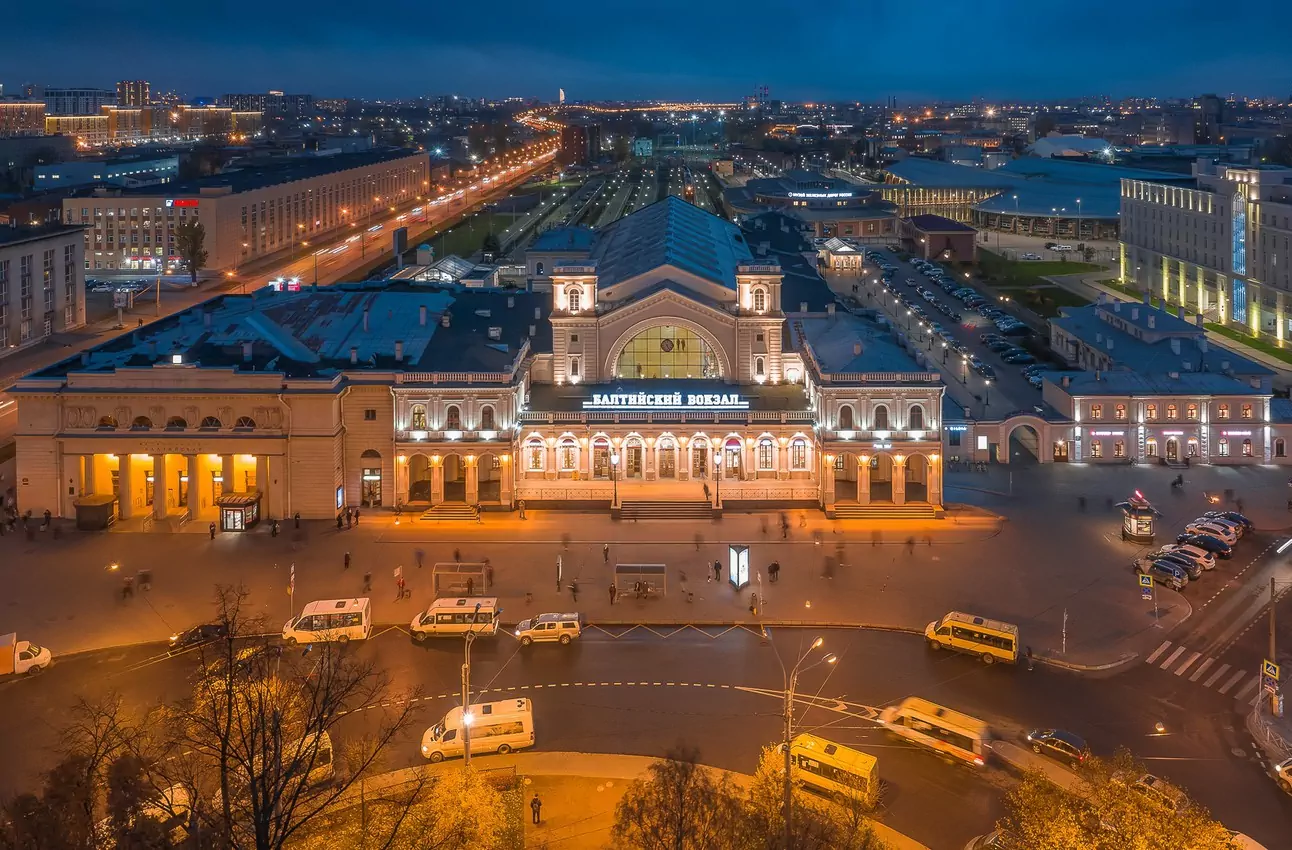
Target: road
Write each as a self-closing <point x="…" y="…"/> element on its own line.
<point x="644" y="692"/>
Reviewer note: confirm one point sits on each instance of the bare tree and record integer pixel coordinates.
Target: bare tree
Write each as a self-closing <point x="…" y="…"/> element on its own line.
<point x="258" y="730"/>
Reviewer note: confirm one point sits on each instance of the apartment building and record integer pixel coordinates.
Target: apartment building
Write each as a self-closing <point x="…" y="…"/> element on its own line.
<point x="1222" y="248"/>
<point x="42" y="283"/>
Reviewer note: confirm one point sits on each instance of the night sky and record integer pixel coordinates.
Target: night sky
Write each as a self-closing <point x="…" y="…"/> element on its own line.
<point x="603" y="49"/>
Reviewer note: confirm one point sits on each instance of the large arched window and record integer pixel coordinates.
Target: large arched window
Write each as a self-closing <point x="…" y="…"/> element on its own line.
<point x="798" y="454"/>
<point x="210" y="423"/>
<point x="574" y="299"/>
<point x="534" y="455"/>
<point x="668" y="351"/>
<point x="176" y="423"/>
<point x="845" y="418"/>
<point x="244" y="423"/>
<point x="486" y="418"/>
<point x="766" y="455"/>
<point x="453" y="418"/>
<point x="538" y="269"/>
<point x="1280" y="447"/>
<point x="880" y="418"/>
<point x="418" y="419"/>
<point x="141" y="423"/>
<point x="760" y="367"/>
<point x="567" y="455"/>
<point x="916" y="419"/>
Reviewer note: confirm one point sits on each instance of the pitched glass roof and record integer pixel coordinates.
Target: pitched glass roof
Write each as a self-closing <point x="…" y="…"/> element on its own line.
<point x="670" y="232"/>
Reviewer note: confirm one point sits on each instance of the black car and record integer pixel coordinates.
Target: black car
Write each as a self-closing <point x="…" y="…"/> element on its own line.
<point x="1206" y="542"/>
<point x="1234" y="517"/>
<point x="198" y="635"/>
<point x="1057" y="744"/>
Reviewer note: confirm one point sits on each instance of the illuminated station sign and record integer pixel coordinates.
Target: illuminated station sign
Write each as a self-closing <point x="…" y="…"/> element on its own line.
<point x="666" y="401"/>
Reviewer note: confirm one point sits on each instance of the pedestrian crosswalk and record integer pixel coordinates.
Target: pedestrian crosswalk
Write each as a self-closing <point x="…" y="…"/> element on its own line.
<point x="1241" y="684"/>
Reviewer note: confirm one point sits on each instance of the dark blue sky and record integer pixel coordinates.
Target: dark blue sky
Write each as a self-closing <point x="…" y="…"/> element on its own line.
<point x="999" y="49"/>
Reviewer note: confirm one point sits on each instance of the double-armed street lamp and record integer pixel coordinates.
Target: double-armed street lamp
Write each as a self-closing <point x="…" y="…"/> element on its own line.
<point x="790" y="680"/>
<point x="467" y="717"/>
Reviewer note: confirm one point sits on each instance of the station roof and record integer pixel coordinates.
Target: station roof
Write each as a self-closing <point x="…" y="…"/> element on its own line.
<point x="274" y="173"/>
<point x="1124" y="382"/>
<point x="578" y="239"/>
<point x="834" y="339"/>
<point x="670" y="232"/>
<point x="938" y="224"/>
<point x="310" y="333"/>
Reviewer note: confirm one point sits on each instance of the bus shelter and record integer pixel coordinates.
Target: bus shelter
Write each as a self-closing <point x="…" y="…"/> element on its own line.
<point x="651" y="579"/>
<point x="458" y="579"/>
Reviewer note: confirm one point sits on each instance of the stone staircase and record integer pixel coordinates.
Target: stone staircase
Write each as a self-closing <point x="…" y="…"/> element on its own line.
<point x="452" y="512"/>
<point x="665" y="510"/>
<point x="884" y="512"/>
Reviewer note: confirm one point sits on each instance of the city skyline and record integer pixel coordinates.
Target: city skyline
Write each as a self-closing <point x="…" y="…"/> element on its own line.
<point x="1001" y="51"/>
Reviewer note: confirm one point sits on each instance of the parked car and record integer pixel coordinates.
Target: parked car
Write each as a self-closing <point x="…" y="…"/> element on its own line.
<point x="1191" y="567"/>
<point x="198" y="635"/>
<point x="986" y="371"/>
<point x="1160" y="791"/>
<point x="1202" y="526"/>
<point x="1000" y="345"/>
<point x="1064" y="746"/>
<point x="1016" y="329"/>
<point x="1207" y="542"/>
<point x="1202" y="556"/>
<point x="1283" y="774"/>
<point x="1036" y="381"/>
<point x="1029" y="256"/>
<point x="1164" y="573"/>
<point x="1236" y="528"/>
<point x="1234" y="517"/>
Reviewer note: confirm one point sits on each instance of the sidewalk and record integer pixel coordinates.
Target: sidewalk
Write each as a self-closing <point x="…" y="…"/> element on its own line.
<point x="579" y="792"/>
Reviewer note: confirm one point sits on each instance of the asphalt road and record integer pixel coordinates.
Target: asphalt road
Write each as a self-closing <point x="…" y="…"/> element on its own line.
<point x="644" y="692"/>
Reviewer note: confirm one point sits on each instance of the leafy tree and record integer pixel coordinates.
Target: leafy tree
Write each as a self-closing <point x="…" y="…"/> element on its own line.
<point x="1106" y="813"/>
<point x="190" y="243"/>
<point x="681" y="806"/>
<point x="491" y="244"/>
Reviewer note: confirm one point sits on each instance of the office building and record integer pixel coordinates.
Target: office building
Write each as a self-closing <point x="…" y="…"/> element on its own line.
<point x="666" y="365"/>
<point x="1218" y="247"/>
<point x="273" y="103"/>
<point x="135" y="93"/>
<point x="580" y="143"/>
<point x="248" y="214"/>
<point x="42" y="283"/>
<point x="77" y="101"/>
<point x="127" y="172"/>
<point x="22" y="118"/>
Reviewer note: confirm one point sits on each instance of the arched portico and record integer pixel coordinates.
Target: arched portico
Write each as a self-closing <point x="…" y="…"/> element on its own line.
<point x="454" y="471"/>
<point x="881" y="477"/>
<point x="420" y="479"/>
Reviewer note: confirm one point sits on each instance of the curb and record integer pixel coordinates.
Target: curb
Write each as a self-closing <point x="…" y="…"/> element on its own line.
<point x="1087" y="668"/>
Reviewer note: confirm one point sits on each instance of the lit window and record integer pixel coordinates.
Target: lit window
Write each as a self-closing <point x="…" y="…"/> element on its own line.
<point x="1119" y="412"/>
<point x="1096" y="411"/>
<point x="419" y="417"/>
<point x="1247" y="411"/>
<point x="1222" y="448"/>
<point x="1172" y="412"/>
<point x="1191" y="412"/>
<point x="1222" y="411"/>
<point x="1247" y="448"/>
<point x="1119" y="448"/>
<point x="1097" y="448"/>
<point x="574" y="299"/>
<point x="534" y="457"/>
<point x="766" y="455"/>
<point x="798" y="453"/>
<point x="760" y="300"/>
<point x="1150" y="411"/>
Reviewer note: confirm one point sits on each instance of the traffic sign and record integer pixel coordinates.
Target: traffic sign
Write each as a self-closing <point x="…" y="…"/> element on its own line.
<point x="1269" y="685"/>
<point x="1270" y="669"/>
<point x="1146" y="581"/>
<point x="1145" y="587"/>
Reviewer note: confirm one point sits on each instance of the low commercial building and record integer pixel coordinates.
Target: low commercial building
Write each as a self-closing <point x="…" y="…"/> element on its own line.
<point x="667" y="366"/>
<point x="828" y="206"/>
<point x="128" y="172"/>
<point x="247" y="214"/>
<point x="42" y="284"/>
<point x="938" y="239"/>
<point x="1219" y="248"/>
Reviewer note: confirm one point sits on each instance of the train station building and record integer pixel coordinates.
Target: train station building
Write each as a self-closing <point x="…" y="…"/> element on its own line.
<point x="668" y="371"/>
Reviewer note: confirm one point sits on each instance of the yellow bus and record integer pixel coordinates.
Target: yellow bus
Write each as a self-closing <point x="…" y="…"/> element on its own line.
<point x="834" y="768"/>
<point x="949" y="732"/>
<point x="990" y="640"/>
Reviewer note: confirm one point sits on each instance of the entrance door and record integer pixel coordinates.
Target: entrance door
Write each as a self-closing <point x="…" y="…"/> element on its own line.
<point x="699" y="462"/>
<point x="1172" y="450"/>
<point x="182" y="489"/>
<point x="731" y="464"/>
<point x="667" y="461"/>
<point x="149" y="488"/>
<point x="371" y="494"/>
<point x="634" y="466"/>
<point x="600" y="460"/>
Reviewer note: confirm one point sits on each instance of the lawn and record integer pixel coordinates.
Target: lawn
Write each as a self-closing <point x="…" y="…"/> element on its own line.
<point x="466" y="237"/>
<point x="998" y="271"/>
<point x="1252" y="342"/>
<point x="1044" y="300"/>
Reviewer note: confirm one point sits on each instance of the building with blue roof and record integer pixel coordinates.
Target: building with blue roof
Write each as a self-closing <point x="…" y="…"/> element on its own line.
<point x="664" y="360"/>
<point x="826" y="206"/>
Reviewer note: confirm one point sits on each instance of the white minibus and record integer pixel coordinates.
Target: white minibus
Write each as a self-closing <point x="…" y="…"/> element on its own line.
<point x="330" y="619"/>
<point x="496" y="727"/>
<point x="454" y="616"/>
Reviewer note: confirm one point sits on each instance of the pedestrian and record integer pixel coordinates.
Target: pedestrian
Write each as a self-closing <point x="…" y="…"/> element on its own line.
<point x="1238" y="503"/>
<point x="297" y="518"/>
<point x="399" y="586"/>
<point x="698" y="540"/>
<point x="574" y="590"/>
<point x="356" y="516"/>
<point x="49" y="517"/>
<point x="803" y="519"/>
<point x="339" y="522"/>
<point x="910" y="545"/>
<point x="706" y="492"/>
<point x="367" y="581"/>
<point x="717" y="570"/>
<point x="273" y="528"/>
<point x="637" y="590"/>
<point x="418" y="556"/>
<point x="1029" y="658"/>
<point x="612" y="593"/>
<point x="488" y="574"/>
<point x="471" y="586"/>
<point x="535" y="806"/>
<point x="457" y="556"/>
<point x="349" y="517"/>
<point x="347" y="561"/>
<point x="521" y="505"/>
<point x="605" y="553"/>
<point x="211" y="528"/>
<point x="753" y="603"/>
<point x="145" y="580"/>
<point x="776" y="570"/>
<point x="127" y="587"/>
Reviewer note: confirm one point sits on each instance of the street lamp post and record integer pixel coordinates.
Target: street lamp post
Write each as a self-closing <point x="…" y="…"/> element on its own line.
<point x="467" y="718"/>
<point x="717" y="472"/>
<point x="986" y="395"/>
<point x="964" y="370"/>
<point x="1078" y="219"/>
<point x="790" y="680"/>
<point x="614" y="474"/>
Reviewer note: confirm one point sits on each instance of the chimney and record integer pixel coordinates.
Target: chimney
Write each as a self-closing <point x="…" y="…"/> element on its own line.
<point x="1117" y="306"/>
<point x="1202" y="343"/>
<point x="354" y="354"/>
<point x="1179" y="311"/>
<point x="421" y="315"/>
<point x="206" y="318"/>
<point x="856" y="349"/>
<point x="1099" y="337"/>
<point x="365" y="319"/>
<point x="802" y="306"/>
<point x="1152" y="322"/>
<point x="399" y="351"/>
<point x="1134" y="314"/>
<point x="511" y="301"/>
<point x="1110" y="343"/>
<point x="1067" y="381"/>
<point x="538" y="313"/>
<point x="829" y="309"/>
<point x="446" y="319"/>
<point x="246" y="352"/>
<point x="533" y="330"/>
<point x="1175" y="345"/>
<point x="495" y="332"/>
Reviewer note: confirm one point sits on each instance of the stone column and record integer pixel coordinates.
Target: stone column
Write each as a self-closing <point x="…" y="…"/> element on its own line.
<point x="126" y="488"/>
<point x="899" y="481"/>
<point x="507" y="471"/>
<point x="1202" y="291"/>
<point x="1280" y="314"/>
<point x="934" y="484"/>
<point x="161" y="493"/>
<point x="650" y="459"/>
<point x="473" y="480"/>
<point x="783" y="462"/>
<point x="683" y="459"/>
<point x="863" y="480"/>
<point x="551" y="471"/>
<point x="1254" y="296"/>
<point x="437" y="480"/>
<point x="262" y="477"/>
<point x="87" y="475"/>
<point x="827" y="481"/>
<point x="196" y="492"/>
<point x="226" y="474"/>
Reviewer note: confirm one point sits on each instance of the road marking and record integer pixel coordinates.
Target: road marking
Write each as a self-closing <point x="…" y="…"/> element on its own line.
<point x="1187" y="664"/>
<point x="1233" y="681"/>
<point x="1253" y="682"/>
<point x="1202" y="668"/>
<point x="1211" y="680"/>
<point x="1157" y="652"/>
<point x="1179" y="650"/>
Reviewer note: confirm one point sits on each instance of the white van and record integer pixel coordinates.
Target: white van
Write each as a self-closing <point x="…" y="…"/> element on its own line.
<point x="496" y="727"/>
<point x="330" y="619"/>
<point x="455" y="616"/>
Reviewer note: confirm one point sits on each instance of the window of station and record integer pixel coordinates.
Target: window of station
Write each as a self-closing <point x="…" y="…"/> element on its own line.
<point x="798" y="454"/>
<point x="667" y="351"/>
<point x="766" y="455"/>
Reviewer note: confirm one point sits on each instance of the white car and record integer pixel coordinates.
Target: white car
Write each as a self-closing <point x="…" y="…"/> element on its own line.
<point x="1029" y="256"/>
<point x="1214" y="529"/>
<point x="1204" y="559"/>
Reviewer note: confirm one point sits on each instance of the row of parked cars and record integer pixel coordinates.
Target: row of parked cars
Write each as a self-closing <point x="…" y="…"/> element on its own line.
<point x="1212" y="535"/>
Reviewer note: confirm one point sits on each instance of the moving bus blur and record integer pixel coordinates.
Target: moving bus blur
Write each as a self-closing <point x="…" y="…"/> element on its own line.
<point x="952" y="734"/>
<point x="990" y="640"/>
<point x="834" y="768"/>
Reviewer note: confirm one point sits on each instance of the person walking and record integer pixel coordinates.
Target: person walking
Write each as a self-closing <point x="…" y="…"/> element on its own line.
<point x="367" y="581"/>
<point x="605" y="553"/>
<point x="346" y="561"/>
<point x="457" y="556"/>
<point x="774" y="571"/>
<point x="488" y="575"/>
<point x="297" y="519"/>
<point x="574" y="590"/>
<point x="339" y="522"/>
<point x="418" y="557"/>
<point x="1029" y="658"/>
<point x="356" y="516"/>
<point x="612" y="593"/>
<point x="211" y="528"/>
<point x="535" y="806"/>
<point x="521" y="505"/>
<point x="471" y="586"/>
<point x="349" y="517"/>
<point x="49" y="517"/>
<point x="717" y="570"/>
<point x="399" y="586"/>
<point x="706" y="492"/>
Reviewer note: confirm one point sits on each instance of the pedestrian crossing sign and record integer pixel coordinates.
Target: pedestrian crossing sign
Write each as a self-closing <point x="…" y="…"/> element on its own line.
<point x="1270" y="669"/>
<point x="1146" y="581"/>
